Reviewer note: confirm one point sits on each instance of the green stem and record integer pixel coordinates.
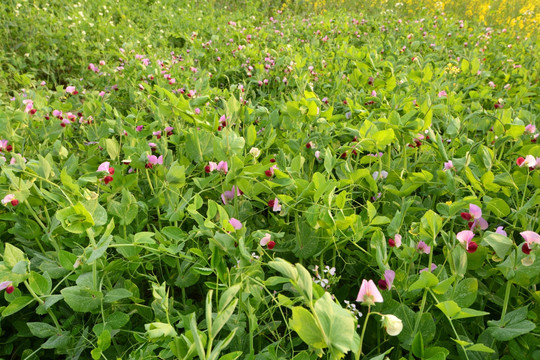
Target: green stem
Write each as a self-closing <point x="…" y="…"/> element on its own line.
<point x="41" y="302"/>
<point x="424" y="297"/>
<point x="506" y="298"/>
<point x="362" y="335"/>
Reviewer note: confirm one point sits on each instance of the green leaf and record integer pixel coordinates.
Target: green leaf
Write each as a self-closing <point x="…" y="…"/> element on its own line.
<point x="12" y="255"/>
<point x="116" y="294"/>
<point x="430" y="225"/>
<point x="144" y="237"/>
<point x="383" y="138"/>
<point x="425" y="280"/>
<point x="75" y="218"/>
<point x="39" y="284"/>
<point x="468" y="313"/>
<point x="443" y="286"/>
<point x="498" y="207"/>
<point x="113" y="149"/>
<point x="465" y="292"/>
<point x="82" y="299"/>
<point x="305" y="282"/>
<point x="285" y="268"/>
<point x="337" y="324"/>
<point x="41" y="329"/>
<point x="18" y="304"/>
<point x="157" y="330"/>
<point x="306" y="327"/>
<point x="104" y="340"/>
<point x="449" y="308"/>
<point x="176" y="174"/>
<point x="57" y="341"/>
<point x="417" y="346"/>
<point x="481" y="348"/>
<point x="500" y="243"/>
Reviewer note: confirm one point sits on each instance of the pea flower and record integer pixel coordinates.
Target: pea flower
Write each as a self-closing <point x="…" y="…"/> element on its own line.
<point x="265" y="239"/>
<point x="71" y="90"/>
<point x="275" y="205"/>
<point x="395" y="242"/>
<point x="465" y="238"/>
<point x="500" y="231"/>
<point x="236" y="224"/>
<point x="223" y="167"/>
<point x="433" y="267"/>
<point x="423" y="248"/>
<point x="529" y="160"/>
<point x="369" y="294"/>
<point x="255" y="152"/>
<point x="7" y="286"/>
<point x="475" y="213"/>
<point x="105" y="167"/>
<point x="448" y="165"/>
<point x="10" y="198"/>
<point x="229" y="195"/>
<point x="154" y="160"/>
<point x="530" y="238"/>
<point x="386" y="283"/>
<point x="392" y="324"/>
<point x="442" y="93"/>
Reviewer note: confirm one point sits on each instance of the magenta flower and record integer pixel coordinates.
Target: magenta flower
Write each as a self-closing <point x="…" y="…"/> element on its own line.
<point x="465" y="238"/>
<point x="236" y="224"/>
<point x="265" y="239"/>
<point x="433" y="267"/>
<point x="530" y="238"/>
<point x="57" y="113"/>
<point x="229" y="195"/>
<point x="154" y="160"/>
<point x="530" y="128"/>
<point x="500" y="231"/>
<point x="223" y="167"/>
<point x="442" y="93"/>
<point x="139" y="128"/>
<point x="9" y="198"/>
<point x="476" y="214"/>
<point x="395" y="242"/>
<point x="210" y="167"/>
<point x="369" y="294"/>
<point x="7" y="286"/>
<point x="276" y="206"/>
<point x="448" y="165"/>
<point x="423" y="248"/>
<point x="386" y="283"/>
<point x="104" y="167"/>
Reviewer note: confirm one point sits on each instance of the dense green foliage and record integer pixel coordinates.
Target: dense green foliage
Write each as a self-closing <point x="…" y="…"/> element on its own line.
<point x="189" y="180"/>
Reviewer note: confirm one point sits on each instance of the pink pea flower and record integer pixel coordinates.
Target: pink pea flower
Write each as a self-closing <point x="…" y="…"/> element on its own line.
<point x="270" y="172"/>
<point x="433" y="267"/>
<point x="105" y="167"/>
<point x="442" y="93"/>
<point x="373" y="93"/>
<point x="448" y="165"/>
<point x="102" y="93"/>
<point x="395" y="242"/>
<point x="197" y="111"/>
<point x="500" y="231"/>
<point x="7" y="286"/>
<point x="154" y="160"/>
<point x="57" y="113"/>
<point x="139" y="128"/>
<point x="71" y="90"/>
<point x="210" y="167"/>
<point x="530" y="238"/>
<point x="29" y="105"/>
<point x="275" y="205"/>
<point x="223" y="167"/>
<point x="43" y="83"/>
<point x="492" y="84"/>
<point x="529" y="161"/>
<point x="423" y="248"/>
<point x="10" y="199"/>
<point x="475" y="213"/>
<point x="318" y="155"/>
<point x="530" y="128"/>
<point x="236" y="224"/>
<point x="265" y="239"/>
<point x="386" y="283"/>
<point x="369" y="294"/>
<point x="465" y="238"/>
<point x="229" y="195"/>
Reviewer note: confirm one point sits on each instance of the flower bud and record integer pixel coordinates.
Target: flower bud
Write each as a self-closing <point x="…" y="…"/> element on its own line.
<point x="392" y="324"/>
